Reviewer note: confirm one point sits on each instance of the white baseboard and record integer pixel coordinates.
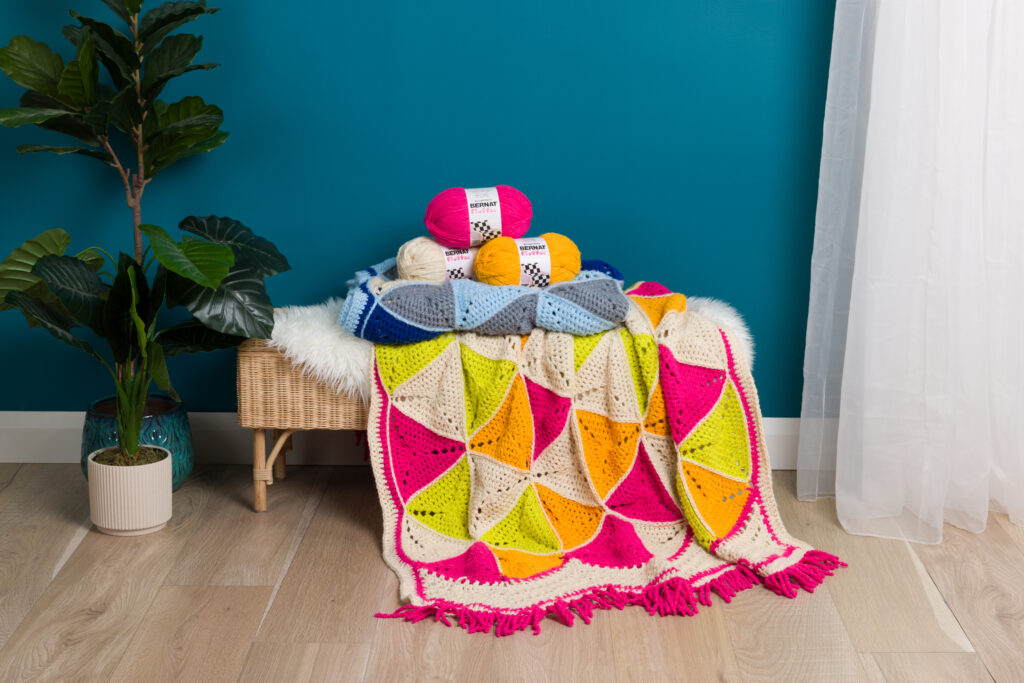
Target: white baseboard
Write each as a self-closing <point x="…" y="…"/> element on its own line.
<point x="56" y="437"/>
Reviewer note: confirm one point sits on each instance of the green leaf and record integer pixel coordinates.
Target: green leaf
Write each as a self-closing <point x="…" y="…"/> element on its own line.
<point x="12" y="118"/>
<point x="31" y="65"/>
<point x="85" y="151"/>
<point x="72" y="33"/>
<point x="118" y="8"/>
<point x="138" y="324"/>
<point x="118" y="328"/>
<point x="160" y="21"/>
<point x="125" y="112"/>
<point x="16" y="270"/>
<point x="133" y="6"/>
<point x="80" y="79"/>
<point x="168" y="149"/>
<point x="199" y="122"/>
<point x="185" y="122"/>
<point x="158" y="369"/>
<point x="72" y="123"/>
<point x="239" y="306"/>
<point x="193" y="336"/>
<point x="54" y="322"/>
<point x="97" y="120"/>
<point x="185" y="108"/>
<point x="171" y="58"/>
<point x="77" y="286"/>
<point x="115" y="49"/>
<point x="205" y="263"/>
<point x="33" y="99"/>
<point x="92" y="258"/>
<point x="173" y="54"/>
<point x="189" y="116"/>
<point x="250" y="249"/>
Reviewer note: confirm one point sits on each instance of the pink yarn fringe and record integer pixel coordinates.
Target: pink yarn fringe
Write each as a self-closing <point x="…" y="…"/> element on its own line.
<point x="674" y="596"/>
<point x="808" y="574"/>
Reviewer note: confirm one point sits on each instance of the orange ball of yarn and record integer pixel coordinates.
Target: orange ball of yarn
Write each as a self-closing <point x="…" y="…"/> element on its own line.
<point x="498" y="261"/>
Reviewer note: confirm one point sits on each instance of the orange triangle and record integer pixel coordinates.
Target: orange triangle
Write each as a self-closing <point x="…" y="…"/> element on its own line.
<point x="575" y="523"/>
<point x="517" y="564"/>
<point x="508" y="436"/>
<point x="718" y="500"/>
<point x="656" y="421"/>
<point x="609" y="448"/>
<point x="657" y="306"/>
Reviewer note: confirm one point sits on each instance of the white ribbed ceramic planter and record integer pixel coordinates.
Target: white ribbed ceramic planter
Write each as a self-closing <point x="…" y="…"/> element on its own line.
<point x="130" y="500"/>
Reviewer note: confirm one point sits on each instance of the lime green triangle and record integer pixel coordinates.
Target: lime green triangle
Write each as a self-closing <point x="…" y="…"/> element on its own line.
<point x="399" y="362"/>
<point x="583" y="346"/>
<point x="700" y="532"/>
<point x="486" y="383"/>
<point x="642" y="352"/>
<point x="720" y="442"/>
<point x="525" y="528"/>
<point x="647" y="354"/>
<point x="444" y="505"/>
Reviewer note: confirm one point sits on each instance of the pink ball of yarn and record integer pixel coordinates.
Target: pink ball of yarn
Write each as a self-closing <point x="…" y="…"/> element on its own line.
<point x="447" y="217"/>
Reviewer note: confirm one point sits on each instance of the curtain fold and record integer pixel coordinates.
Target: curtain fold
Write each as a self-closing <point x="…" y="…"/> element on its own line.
<point x="914" y="379"/>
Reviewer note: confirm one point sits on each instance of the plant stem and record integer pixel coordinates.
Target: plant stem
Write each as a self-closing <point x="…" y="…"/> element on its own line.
<point x="138" y="137"/>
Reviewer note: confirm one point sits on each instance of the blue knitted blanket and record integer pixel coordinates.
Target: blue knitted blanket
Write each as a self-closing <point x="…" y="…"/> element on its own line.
<point x="384" y="310"/>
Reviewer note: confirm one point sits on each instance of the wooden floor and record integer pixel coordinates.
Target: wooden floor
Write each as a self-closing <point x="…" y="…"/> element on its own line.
<point x="289" y="595"/>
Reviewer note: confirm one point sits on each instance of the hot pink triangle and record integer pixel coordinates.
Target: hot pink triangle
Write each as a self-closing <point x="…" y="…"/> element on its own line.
<point x="476" y="564"/>
<point x="690" y="393"/>
<point x="649" y="289"/>
<point x="642" y="495"/>
<point x="549" y="413"/>
<point x="616" y="545"/>
<point x="418" y="455"/>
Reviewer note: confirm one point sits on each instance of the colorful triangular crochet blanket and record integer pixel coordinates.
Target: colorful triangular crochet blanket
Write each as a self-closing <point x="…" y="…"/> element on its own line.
<point x="552" y="474"/>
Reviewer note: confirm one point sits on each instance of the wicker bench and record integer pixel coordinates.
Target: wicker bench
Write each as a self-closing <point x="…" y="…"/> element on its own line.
<point x="275" y="397"/>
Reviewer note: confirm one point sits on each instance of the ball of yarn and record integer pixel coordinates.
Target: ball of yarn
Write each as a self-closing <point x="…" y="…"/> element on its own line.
<point x="424" y="259"/>
<point x="448" y="218"/>
<point x="498" y="262"/>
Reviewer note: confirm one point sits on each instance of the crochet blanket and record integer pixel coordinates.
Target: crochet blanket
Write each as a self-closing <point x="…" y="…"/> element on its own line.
<point x="551" y="474"/>
<point x="385" y="310"/>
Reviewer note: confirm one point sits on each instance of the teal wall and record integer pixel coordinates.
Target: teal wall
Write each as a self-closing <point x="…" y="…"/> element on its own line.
<point x="678" y="140"/>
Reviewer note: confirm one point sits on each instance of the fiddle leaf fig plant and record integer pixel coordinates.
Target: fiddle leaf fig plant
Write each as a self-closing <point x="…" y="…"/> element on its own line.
<point x="215" y="270"/>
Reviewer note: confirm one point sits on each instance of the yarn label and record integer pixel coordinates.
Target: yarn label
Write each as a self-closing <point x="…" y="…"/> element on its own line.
<point x="458" y="263"/>
<point x="534" y="262"/>
<point x="484" y="214"/>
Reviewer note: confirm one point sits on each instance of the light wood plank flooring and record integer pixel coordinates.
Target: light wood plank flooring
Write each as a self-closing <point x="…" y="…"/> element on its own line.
<point x="224" y="594"/>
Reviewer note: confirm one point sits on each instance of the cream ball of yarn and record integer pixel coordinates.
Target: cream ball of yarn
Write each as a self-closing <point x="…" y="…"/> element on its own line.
<point x="423" y="259"/>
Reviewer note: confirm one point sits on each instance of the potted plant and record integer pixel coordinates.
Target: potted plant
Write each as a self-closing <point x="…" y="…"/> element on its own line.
<point x="215" y="271"/>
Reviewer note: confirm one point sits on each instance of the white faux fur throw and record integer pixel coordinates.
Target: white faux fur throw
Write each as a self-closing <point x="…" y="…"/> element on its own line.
<point x="310" y="337"/>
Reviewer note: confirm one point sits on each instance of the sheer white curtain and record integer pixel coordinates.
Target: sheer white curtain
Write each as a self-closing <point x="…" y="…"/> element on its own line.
<point x="914" y="372"/>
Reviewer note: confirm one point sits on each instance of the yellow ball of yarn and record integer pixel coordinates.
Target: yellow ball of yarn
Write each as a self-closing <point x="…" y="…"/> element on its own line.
<point x="497" y="263"/>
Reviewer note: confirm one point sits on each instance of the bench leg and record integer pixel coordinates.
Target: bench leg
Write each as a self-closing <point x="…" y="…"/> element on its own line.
<point x="280" y="468"/>
<point x="259" y="467"/>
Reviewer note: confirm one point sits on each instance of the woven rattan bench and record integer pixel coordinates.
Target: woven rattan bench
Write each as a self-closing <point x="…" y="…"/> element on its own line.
<point x="274" y="396"/>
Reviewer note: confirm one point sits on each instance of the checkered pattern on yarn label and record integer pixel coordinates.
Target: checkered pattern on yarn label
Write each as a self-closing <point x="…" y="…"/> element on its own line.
<point x="534" y="262"/>
<point x="484" y="214"/>
<point x="459" y="263"/>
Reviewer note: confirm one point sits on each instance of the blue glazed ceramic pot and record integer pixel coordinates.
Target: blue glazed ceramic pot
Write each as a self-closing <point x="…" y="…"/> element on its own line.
<point x="165" y="424"/>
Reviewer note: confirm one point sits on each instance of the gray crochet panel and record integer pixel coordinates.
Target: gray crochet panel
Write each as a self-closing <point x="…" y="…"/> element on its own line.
<point x="425" y="305"/>
<point x="516" y="318"/>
